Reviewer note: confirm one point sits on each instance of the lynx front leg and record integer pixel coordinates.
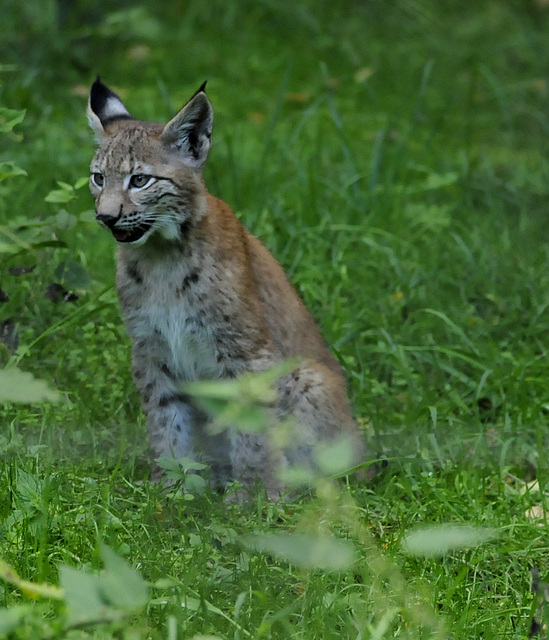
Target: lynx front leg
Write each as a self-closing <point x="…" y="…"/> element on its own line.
<point x="170" y="414"/>
<point x="255" y="464"/>
<point x="170" y="425"/>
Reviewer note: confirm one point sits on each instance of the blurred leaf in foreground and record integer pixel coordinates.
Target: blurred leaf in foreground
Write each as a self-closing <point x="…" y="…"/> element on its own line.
<point x="308" y="551"/>
<point x="117" y="591"/>
<point x="441" y="539"/>
<point x="30" y="589"/>
<point x="11" y="618"/>
<point x="19" y="386"/>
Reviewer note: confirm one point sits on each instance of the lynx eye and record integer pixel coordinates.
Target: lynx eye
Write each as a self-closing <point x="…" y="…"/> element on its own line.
<point x="98" y="179"/>
<point x="139" y="180"/>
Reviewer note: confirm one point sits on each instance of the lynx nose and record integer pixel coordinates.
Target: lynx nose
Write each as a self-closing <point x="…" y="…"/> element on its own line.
<point x="107" y="220"/>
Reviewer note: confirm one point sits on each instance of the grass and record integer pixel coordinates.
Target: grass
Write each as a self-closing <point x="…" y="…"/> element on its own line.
<point x="393" y="157"/>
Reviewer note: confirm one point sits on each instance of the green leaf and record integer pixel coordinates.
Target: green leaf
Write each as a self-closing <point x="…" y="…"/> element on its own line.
<point x="10" y="170"/>
<point x="297" y="476"/>
<point x="11" y="618"/>
<point x="84" y="597"/>
<point x="9" y="118"/>
<point x="335" y="457"/>
<point x="242" y="403"/>
<point x="29" y="487"/>
<point x="19" y="386"/>
<point x="441" y="539"/>
<point x="108" y="597"/>
<point x="81" y="182"/>
<point x="65" y="220"/>
<point x="30" y="589"/>
<point x="66" y="191"/>
<point x="88" y="216"/>
<point x="179" y="465"/>
<point x="307" y="551"/>
<point x="8" y="248"/>
<point x="195" y="484"/>
<point x="122" y="586"/>
<point x="73" y="275"/>
<point x="60" y="196"/>
<point x="250" y="387"/>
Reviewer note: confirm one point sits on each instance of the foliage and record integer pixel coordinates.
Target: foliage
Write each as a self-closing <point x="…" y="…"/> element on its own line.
<point x="15" y="385"/>
<point x="89" y="599"/>
<point x="18" y="386"/>
<point x="393" y="157"/>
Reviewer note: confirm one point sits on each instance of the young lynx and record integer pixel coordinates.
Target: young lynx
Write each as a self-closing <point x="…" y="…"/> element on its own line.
<point x="203" y="299"/>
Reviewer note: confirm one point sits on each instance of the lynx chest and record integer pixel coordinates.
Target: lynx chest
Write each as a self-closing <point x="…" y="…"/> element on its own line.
<point x="170" y="318"/>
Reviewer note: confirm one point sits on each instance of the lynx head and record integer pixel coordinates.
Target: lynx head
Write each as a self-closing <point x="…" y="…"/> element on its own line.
<point x="146" y="177"/>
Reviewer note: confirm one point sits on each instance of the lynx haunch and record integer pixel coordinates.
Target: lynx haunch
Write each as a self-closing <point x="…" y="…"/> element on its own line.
<point x="203" y="299"/>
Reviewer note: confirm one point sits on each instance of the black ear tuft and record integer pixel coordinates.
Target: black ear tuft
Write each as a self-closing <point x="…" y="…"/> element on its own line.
<point x="106" y="104"/>
<point x="99" y="94"/>
<point x="202" y="89"/>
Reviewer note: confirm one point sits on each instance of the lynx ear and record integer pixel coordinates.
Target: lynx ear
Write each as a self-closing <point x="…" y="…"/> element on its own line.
<point x="104" y="107"/>
<point x="190" y="131"/>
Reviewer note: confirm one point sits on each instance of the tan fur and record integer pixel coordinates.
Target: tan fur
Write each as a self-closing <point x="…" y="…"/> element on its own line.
<point x="203" y="299"/>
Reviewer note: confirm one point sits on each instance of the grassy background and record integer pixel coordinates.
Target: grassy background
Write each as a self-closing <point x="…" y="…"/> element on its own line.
<point x="393" y="157"/>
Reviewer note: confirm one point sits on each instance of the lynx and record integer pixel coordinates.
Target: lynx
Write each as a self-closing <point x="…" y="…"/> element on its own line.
<point x="203" y="299"/>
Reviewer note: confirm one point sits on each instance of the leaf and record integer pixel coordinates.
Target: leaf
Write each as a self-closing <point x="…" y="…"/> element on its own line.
<point x="179" y="466"/>
<point x="65" y="220"/>
<point x="19" y="386"/>
<point x="88" y="216"/>
<point x="84" y="597"/>
<point x="335" y="457"/>
<point x="195" y="484"/>
<point x="73" y="275"/>
<point x="110" y="596"/>
<point x="59" y="196"/>
<point x="81" y="182"/>
<point x="10" y="170"/>
<point x="30" y="589"/>
<point x="254" y="387"/>
<point x="29" y="487"/>
<point x="8" y="248"/>
<point x="11" y="618"/>
<point x="242" y="402"/>
<point x="441" y="539"/>
<point x="122" y="585"/>
<point x="297" y="476"/>
<point x="9" y="118"/>
<point x="62" y="195"/>
<point x="307" y="551"/>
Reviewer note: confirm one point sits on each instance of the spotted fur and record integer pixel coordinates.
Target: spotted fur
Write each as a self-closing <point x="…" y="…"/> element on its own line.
<point x="202" y="298"/>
